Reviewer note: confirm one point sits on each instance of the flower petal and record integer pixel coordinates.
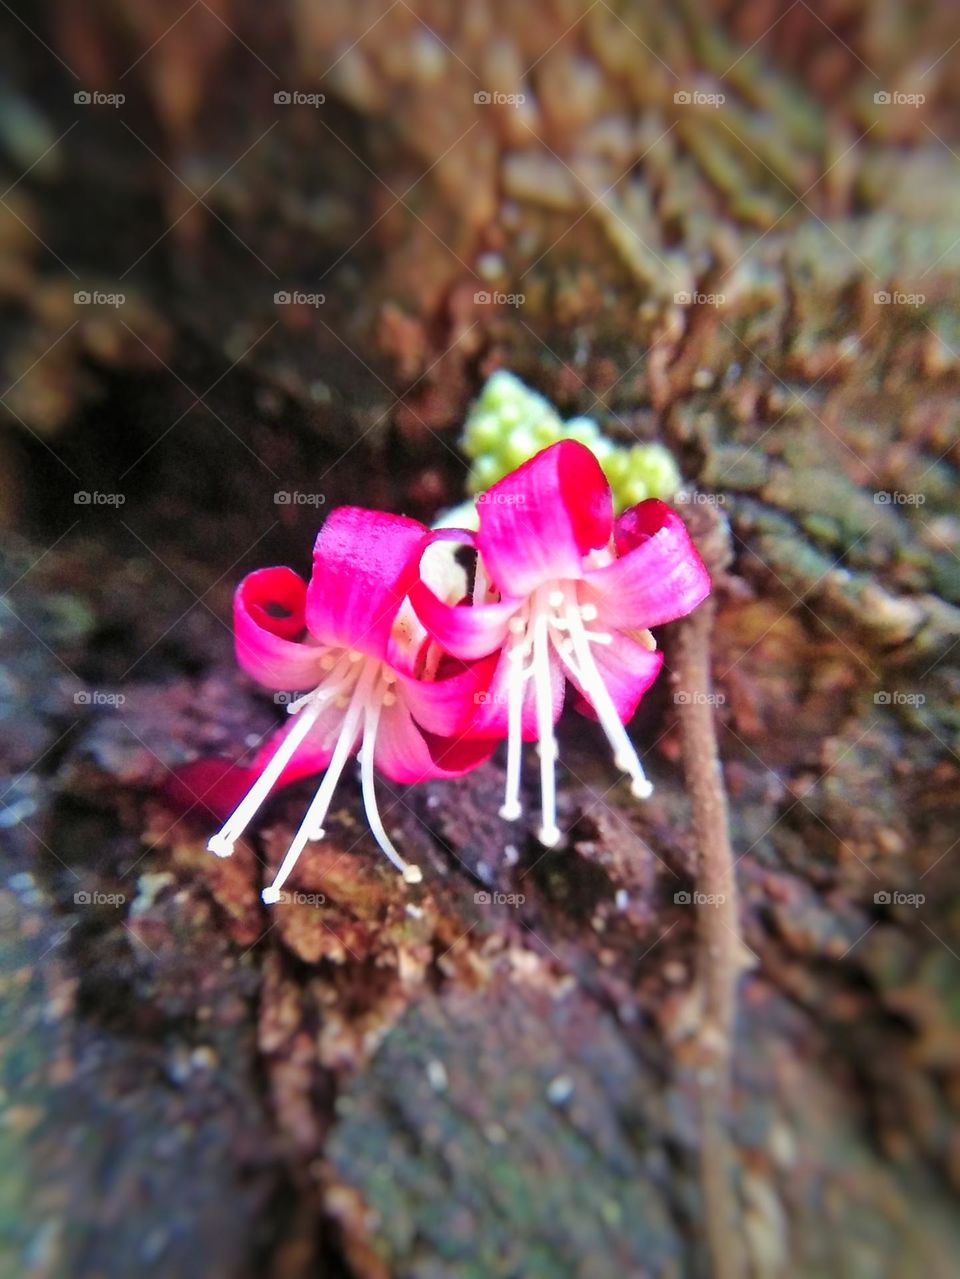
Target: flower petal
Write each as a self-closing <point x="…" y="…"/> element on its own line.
<point x="405" y="753"/>
<point x="364" y="563"/>
<point x="627" y="669"/>
<point x="463" y="630"/>
<point x="313" y="753"/>
<point x="268" y="615"/>
<point x="439" y="566"/>
<point x="538" y="523"/>
<point x="207" y="787"/>
<point x="658" y="577"/>
<point x="493" y="706"/>
<point x="447" y="706"/>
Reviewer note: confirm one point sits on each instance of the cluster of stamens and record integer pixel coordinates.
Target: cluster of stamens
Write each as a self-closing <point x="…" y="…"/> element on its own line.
<point x="359" y="687"/>
<point x="554" y="618"/>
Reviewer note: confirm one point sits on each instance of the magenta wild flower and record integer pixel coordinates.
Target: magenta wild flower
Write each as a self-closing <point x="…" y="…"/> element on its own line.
<point x="371" y="678"/>
<point x="565" y="593"/>
<point x="397" y="660"/>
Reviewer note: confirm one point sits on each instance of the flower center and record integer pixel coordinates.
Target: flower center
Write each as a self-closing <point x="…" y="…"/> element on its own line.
<point x="554" y="622"/>
<point x="360" y="687"/>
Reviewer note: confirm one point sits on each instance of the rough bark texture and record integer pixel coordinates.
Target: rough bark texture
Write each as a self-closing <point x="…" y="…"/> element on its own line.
<point x="498" y="1072"/>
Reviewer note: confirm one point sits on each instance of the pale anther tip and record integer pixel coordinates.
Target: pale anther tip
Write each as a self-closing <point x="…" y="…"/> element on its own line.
<point x="270" y="896"/>
<point x="412" y="874"/>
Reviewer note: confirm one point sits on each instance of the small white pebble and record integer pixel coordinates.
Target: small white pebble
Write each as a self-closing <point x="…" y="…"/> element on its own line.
<point x="559" y="1090"/>
<point x="782" y="1144"/>
<point x="490" y="266"/>
<point x="437" y="1075"/>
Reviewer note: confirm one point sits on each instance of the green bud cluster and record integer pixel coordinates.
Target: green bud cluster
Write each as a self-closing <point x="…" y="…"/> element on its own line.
<point x="509" y="423"/>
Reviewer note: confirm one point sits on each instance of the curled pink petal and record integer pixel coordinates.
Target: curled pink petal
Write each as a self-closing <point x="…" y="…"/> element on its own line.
<point x="463" y="630"/>
<point x="268" y="616"/>
<point x="658" y="577"/>
<point x="406" y="753"/>
<point x="364" y="563"/>
<point x="627" y="670"/>
<point x="448" y="705"/>
<point x="538" y="523"/>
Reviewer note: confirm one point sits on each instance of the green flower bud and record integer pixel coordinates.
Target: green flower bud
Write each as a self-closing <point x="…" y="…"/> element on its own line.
<point x="509" y="423"/>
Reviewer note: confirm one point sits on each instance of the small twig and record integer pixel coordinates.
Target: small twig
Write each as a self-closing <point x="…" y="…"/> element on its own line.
<point x="720" y="946"/>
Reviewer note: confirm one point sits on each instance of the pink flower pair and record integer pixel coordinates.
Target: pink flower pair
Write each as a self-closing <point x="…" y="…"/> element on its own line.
<point x="398" y="661"/>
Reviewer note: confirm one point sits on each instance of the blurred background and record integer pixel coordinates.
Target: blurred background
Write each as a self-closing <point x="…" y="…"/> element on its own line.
<point x="257" y="261"/>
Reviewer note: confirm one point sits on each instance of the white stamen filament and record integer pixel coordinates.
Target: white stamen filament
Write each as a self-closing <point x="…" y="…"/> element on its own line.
<point x="481" y="583"/>
<point x="312" y="825"/>
<point x="624" y="753"/>
<point x="371" y="719"/>
<point x="364" y="690"/>
<point x="512" y="807"/>
<point x="309" y="707"/>
<point x="543" y="689"/>
<point x="554" y="618"/>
